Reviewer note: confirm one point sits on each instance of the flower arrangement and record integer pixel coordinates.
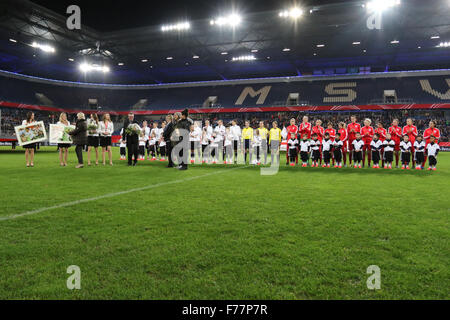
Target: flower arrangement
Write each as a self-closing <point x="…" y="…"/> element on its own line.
<point x="133" y="129"/>
<point x="92" y="128"/>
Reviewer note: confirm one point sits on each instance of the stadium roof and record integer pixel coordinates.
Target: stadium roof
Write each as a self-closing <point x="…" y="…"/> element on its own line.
<point x="330" y="36"/>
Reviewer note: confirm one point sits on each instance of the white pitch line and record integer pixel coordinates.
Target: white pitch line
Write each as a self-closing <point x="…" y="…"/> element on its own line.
<point x="110" y="195"/>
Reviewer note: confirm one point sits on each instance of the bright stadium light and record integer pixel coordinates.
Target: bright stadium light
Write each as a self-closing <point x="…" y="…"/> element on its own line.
<point x="356" y="43"/>
<point x="293" y="13"/>
<point x="169" y="58"/>
<point x="286" y="50"/>
<point x="144" y="60"/>
<point x="120" y="64"/>
<point x="43" y="47"/>
<point x="395" y="42"/>
<point x="320" y="45"/>
<point x="444" y="45"/>
<point x="244" y="58"/>
<point x="13" y="40"/>
<point x="381" y="5"/>
<point x="71" y="59"/>
<point x="195" y="57"/>
<point x="183" y="26"/>
<point x="435" y="37"/>
<point x="86" y="67"/>
<point x="233" y="20"/>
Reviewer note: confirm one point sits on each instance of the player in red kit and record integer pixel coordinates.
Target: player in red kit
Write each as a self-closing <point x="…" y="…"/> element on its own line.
<point x="332" y="133"/>
<point x="344" y="138"/>
<point x="320" y="132"/>
<point x="382" y="132"/>
<point x="431" y="131"/>
<point x="305" y="128"/>
<point x="396" y="134"/>
<point x="367" y="133"/>
<point x="410" y="130"/>
<point x="292" y="129"/>
<point x="352" y="129"/>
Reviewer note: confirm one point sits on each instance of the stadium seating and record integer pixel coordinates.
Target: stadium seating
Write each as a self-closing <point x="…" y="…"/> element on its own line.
<point x="431" y="89"/>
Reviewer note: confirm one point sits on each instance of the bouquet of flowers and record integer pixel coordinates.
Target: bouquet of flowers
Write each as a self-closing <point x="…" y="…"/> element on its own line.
<point x="133" y="129"/>
<point x="92" y="128"/>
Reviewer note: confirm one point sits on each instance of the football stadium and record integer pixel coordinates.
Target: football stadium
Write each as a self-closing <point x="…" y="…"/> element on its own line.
<point x="225" y="150"/>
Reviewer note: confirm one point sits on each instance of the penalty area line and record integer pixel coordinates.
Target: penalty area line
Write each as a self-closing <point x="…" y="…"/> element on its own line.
<point x="111" y="195"/>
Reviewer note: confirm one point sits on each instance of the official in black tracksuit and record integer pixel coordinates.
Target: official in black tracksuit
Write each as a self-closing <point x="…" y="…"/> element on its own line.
<point x="167" y="134"/>
<point x="184" y="124"/>
<point x="131" y="140"/>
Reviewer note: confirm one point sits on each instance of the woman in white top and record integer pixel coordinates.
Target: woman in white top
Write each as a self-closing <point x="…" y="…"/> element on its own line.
<point x="93" y="137"/>
<point x="29" y="148"/>
<point x="106" y="129"/>
<point x="63" y="147"/>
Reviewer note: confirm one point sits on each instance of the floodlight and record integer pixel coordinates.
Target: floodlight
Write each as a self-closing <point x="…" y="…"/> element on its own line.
<point x="381" y="5"/>
<point x="86" y="67"/>
<point x="293" y="13"/>
<point x="43" y="47"/>
<point x="233" y="20"/>
<point x="182" y="26"/>
<point x="244" y="58"/>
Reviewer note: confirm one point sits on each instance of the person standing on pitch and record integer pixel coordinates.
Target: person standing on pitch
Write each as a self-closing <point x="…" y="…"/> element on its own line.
<point x="183" y="126"/>
<point x="167" y="134"/>
<point x="29" y="148"/>
<point x="237" y="133"/>
<point x="106" y="129"/>
<point x="63" y="147"/>
<point x="264" y="134"/>
<point x="131" y="139"/>
<point x="79" y="138"/>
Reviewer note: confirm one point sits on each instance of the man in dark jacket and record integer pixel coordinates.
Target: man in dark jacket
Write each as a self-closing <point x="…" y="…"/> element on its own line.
<point x="79" y="138"/>
<point x="184" y="124"/>
<point x="132" y="140"/>
<point x="167" y="134"/>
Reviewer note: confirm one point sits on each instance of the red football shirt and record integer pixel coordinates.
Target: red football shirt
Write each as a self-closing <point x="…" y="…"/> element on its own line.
<point x="332" y="133"/>
<point x="305" y="128"/>
<point x="344" y="136"/>
<point x="367" y="134"/>
<point x="292" y="129"/>
<point x="431" y="132"/>
<point x="382" y="132"/>
<point x="352" y="135"/>
<point x="396" y="133"/>
<point x="412" y="135"/>
<point x="319" y="131"/>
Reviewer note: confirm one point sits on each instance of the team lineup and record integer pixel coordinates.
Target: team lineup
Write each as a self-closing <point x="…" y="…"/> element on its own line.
<point x="351" y="145"/>
<point x="313" y="145"/>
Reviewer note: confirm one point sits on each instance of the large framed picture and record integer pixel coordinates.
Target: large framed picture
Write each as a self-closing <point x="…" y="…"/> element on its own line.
<point x="59" y="134"/>
<point x="31" y="133"/>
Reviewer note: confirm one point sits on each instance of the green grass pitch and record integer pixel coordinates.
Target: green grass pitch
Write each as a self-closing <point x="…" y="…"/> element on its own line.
<point x="222" y="232"/>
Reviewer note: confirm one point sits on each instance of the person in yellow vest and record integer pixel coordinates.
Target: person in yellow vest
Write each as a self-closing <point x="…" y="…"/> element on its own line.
<point x="275" y="141"/>
<point x="247" y="138"/>
<point x="264" y="134"/>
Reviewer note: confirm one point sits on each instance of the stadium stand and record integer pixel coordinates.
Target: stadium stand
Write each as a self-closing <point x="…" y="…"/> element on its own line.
<point x="314" y="92"/>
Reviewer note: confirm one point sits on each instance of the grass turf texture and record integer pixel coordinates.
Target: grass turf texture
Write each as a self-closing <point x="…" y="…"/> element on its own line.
<point x="301" y="234"/>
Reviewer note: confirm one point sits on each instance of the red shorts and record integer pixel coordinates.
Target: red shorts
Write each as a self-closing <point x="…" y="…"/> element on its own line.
<point x="367" y="146"/>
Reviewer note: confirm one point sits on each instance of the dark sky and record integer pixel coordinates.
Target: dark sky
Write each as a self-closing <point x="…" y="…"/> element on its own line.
<point x="124" y="14"/>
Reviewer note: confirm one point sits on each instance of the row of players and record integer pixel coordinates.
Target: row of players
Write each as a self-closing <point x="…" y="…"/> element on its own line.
<point x="381" y="151"/>
<point x="370" y="142"/>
